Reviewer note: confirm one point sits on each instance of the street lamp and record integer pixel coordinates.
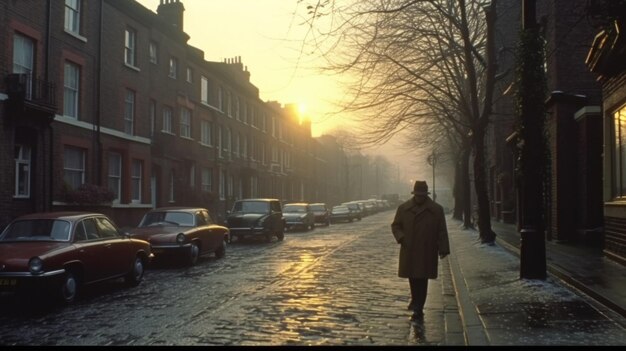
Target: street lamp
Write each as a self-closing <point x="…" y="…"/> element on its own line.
<point x="432" y="160"/>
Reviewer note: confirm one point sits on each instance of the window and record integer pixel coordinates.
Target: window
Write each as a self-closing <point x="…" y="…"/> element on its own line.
<point x="263" y="159"/>
<point x="173" y="67"/>
<point x="22" y="170"/>
<point x="237" y="108"/>
<point x="73" y="167"/>
<point x="130" y="55"/>
<point x="185" y="123"/>
<point x="244" y="149"/>
<point x="189" y="75"/>
<point x="237" y="144"/>
<point x="152" y="117"/>
<point x="129" y="112"/>
<point x="222" y="185"/>
<point x="228" y="142"/>
<point x="154" y="52"/>
<point x="204" y="90"/>
<point x="274" y="126"/>
<point x="619" y="152"/>
<point x="106" y="229"/>
<point x="229" y="103"/>
<point x="135" y="181"/>
<point x="245" y="113"/>
<point x="115" y="175"/>
<point x="207" y="179"/>
<point x="23" y="58"/>
<point x="72" y="16"/>
<point x="70" y="90"/>
<point x="167" y="120"/>
<point x="205" y="133"/>
<point x="220" y="142"/>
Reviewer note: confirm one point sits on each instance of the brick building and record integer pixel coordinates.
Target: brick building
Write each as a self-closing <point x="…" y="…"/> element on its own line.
<point x="109" y="93"/>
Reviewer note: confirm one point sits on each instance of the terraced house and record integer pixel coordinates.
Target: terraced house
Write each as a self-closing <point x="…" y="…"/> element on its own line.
<point x="104" y="103"/>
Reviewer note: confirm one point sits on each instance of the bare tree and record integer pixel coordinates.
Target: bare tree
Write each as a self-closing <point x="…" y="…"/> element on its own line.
<point x="415" y="66"/>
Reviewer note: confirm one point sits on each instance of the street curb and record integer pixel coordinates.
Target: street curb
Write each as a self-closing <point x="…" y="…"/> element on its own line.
<point x="473" y="327"/>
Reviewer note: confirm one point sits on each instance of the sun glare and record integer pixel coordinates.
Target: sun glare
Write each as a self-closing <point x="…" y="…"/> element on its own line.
<point x="302" y="108"/>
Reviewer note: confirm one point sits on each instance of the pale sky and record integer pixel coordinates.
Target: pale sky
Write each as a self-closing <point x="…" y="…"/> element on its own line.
<point x="268" y="35"/>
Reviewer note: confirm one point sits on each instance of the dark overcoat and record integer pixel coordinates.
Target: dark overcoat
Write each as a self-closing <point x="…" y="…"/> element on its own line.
<point x="423" y="235"/>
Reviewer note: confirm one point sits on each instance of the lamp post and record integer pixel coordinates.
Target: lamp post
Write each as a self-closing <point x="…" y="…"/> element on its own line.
<point x="432" y="160"/>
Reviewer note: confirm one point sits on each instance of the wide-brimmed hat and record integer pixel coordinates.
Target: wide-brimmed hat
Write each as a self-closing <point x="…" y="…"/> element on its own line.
<point x="420" y="188"/>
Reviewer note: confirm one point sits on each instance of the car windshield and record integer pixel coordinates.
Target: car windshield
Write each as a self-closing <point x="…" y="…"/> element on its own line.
<point x="167" y="218"/>
<point x="37" y="229"/>
<point x="318" y="208"/>
<point x="251" y="207"/>
<point x="294" y="208"/>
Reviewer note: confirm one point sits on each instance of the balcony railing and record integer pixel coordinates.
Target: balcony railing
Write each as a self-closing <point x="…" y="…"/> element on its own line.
<point x="24" y="87"/>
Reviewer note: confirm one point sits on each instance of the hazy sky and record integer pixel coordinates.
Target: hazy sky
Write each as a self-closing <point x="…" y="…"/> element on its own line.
<point x="268" y="35"/>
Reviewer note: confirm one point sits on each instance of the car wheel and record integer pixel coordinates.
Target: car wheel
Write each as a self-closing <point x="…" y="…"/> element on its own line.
<point x="135" y="276"/>
<point x="312" y="226"/>
<point x="221" y="251"/>
<point x="68" y="288"/>
<point x="194" y="252"/>
<point x="280" y="235"/>
<point x="268" y="238"/>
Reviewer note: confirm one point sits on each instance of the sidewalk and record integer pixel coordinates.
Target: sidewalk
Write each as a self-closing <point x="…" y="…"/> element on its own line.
<point x="499" y="308"/>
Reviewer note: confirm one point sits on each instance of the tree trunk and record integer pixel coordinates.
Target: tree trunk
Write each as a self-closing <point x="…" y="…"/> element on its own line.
<point x="486" y="234"/>
<point x="457" y="191"/>
<point x="466" y="189"/>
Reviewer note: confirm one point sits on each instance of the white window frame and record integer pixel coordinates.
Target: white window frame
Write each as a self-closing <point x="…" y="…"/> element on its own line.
<point x="206" y="133"/>
<point x="207" y="179"/>
<point x="129" y="112"/>
<point x="220" y="142"/>
<point x="222" y="185"/>
<point x="136" y="181"/>
<point x="173" y="72"/>
<point x="204" y="90"/>
<point x="22" y="171"/>
<point x="153" y="51"/>
<point x="130" y="47"/>
<point x="167" y="120"/>
<point x="114" y="175"/>
<point x="189" y="75"/>
<point x="185" y="122"/>
<point x="72" y="16"/>
<point x="71" y="90"/>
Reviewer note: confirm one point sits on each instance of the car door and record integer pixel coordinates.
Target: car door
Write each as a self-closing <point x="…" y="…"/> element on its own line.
<point x="93" y="252"/>
<point x="118" y="257"/>
<point x="276" y="217"/>
<point x="203" y="232"/>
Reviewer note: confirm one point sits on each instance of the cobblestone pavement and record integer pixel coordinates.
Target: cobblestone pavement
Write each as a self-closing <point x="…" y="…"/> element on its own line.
<point x="334" y="285"/>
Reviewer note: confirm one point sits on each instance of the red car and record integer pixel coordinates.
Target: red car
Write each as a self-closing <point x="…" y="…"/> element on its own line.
<point x="64" y="250"/>
<point x="184" y="232"/>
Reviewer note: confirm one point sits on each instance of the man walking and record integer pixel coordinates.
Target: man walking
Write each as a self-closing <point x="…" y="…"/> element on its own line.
<point x="420" y="228"/>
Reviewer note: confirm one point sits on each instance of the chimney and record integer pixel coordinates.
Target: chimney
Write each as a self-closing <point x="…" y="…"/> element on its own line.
<point x="172" y="12"/>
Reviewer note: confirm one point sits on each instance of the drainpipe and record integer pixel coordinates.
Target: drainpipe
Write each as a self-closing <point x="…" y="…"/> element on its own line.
<point x="98" y="98"/>
<point x="48" y="200"/>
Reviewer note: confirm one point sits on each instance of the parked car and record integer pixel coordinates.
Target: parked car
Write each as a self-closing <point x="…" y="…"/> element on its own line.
<point x="58" y="252"/>
<point x="321" y="212"/>
<point x="256" y="217"/>
<point x="357" y="211"/>
<point x="299" y="215"/>
<point x="182" y="232"/>
<point x="340" y="213"/>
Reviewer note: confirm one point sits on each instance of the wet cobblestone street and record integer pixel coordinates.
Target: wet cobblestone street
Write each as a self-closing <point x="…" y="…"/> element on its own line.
<point x="334" y="285"/>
